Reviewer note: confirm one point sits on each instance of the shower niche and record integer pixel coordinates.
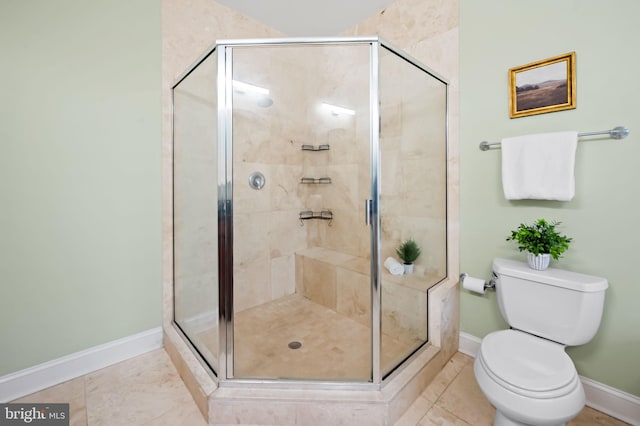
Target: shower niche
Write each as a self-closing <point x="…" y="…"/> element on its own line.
<point x="262" y="300"/>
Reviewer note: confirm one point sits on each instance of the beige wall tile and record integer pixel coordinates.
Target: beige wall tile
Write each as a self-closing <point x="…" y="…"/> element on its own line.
<point x="251" y="284"/>
<point x="404" y="311"/>
<point x="283" y="280"/>
<point x="354" y="295"/>
<point x="319" y="282"/>
<point x="237" y="412"/>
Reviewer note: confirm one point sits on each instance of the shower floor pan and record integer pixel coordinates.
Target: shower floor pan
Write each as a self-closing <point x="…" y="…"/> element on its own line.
<point x="333" y="346"/>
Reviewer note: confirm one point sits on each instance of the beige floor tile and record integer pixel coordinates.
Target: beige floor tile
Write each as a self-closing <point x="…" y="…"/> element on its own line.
<point x="136" y="371"/>
<point x="440" y="416"/>
<point x="187" y="414"/>
<point x="147" y="391"/>
<point x="135" y="392"/>
<point x="444" y="378"/>
<point x="78" y="416"/>
<point x="464" y="399"/>
<point x="591" y="417"/>
<point x="461" y="359"/>
<point x="415" y="412"/>
<point x="71" y="392"/>
<point x="334" y="347"/>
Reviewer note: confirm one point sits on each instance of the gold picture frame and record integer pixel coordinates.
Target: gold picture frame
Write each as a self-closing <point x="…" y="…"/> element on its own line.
<point x="544" y="86"/>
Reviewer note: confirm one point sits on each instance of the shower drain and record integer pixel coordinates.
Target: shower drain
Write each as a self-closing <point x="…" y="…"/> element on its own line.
<point x="294" y="345"/>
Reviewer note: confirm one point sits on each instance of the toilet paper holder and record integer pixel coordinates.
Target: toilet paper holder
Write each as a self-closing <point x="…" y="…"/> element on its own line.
<point x="490" y="284"/>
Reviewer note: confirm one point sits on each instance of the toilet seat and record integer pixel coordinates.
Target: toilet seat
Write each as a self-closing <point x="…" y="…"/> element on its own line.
<point x="528" y="365"/>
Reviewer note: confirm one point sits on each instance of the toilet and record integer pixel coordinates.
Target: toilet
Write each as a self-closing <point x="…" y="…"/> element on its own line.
<point x="524" y="371"/>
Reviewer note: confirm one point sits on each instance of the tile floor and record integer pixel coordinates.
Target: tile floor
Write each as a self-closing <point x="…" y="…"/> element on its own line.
<point x="454" y="398"/>
<point x="147" y="390"/>
<point x="334" y="346"/>
<point x="268" y="329"/>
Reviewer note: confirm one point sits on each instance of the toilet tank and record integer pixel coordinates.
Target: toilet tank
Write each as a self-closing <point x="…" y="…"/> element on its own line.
<point x="559" y="305"/>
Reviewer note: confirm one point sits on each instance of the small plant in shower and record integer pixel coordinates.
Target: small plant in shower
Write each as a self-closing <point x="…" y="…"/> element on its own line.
<point x="408" y="252"/>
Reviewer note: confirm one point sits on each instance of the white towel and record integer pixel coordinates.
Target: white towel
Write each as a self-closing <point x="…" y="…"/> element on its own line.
<point x="394" y="267"/>
<point x="540" y="166"/>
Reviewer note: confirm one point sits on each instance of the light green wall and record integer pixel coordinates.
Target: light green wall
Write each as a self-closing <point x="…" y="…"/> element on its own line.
<point x="80" y="246"/>
<point x="496" y="35"/>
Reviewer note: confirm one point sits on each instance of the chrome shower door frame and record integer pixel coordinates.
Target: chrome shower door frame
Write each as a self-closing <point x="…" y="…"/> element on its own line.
<point x="225" y="180"/>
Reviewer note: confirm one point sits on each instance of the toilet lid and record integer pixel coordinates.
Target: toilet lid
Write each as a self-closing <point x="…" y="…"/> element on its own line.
<point x="527" y="362"/>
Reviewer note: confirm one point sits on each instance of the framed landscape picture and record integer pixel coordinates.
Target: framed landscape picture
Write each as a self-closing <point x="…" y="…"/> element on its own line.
<point x="544" y="86"/>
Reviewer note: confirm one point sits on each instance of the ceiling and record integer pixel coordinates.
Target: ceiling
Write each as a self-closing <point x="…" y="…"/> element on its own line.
<point x="299" y="18"/>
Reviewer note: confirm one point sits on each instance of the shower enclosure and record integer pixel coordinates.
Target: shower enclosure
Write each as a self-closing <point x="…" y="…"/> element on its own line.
<point x="299" y="166"/>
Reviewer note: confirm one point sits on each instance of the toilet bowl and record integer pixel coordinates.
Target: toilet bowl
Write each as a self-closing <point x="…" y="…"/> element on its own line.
<point x="524" y="371"/>
<point x="530" y="381"/>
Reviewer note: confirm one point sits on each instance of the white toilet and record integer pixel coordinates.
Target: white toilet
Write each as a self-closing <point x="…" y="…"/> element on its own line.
<point x="524" y="371"/>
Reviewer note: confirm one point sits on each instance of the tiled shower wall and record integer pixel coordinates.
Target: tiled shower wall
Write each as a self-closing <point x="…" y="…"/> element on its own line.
<point x="187" y="32"/>
<point x="267" y="231"/>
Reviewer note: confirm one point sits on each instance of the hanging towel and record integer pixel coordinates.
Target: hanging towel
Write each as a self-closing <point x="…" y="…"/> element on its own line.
<point x="540" y="166"/>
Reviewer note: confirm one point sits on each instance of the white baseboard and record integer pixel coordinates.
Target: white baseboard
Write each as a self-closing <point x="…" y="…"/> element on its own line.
<point x="468" y="344"/>
<point x="50" y="373"/>
<point x="601" y="397"/>
<point x="611" y="401"/>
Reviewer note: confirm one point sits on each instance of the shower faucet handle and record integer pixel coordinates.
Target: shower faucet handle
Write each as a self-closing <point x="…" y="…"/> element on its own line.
<point x="256" y="180"/>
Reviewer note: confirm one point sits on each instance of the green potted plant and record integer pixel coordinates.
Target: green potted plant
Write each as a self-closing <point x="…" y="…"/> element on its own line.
<point x="541" y="241"/>
<point x="408" y="252"/>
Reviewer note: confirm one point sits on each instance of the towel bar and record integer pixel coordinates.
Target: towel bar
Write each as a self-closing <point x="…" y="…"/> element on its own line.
<point x="615" y="133"/>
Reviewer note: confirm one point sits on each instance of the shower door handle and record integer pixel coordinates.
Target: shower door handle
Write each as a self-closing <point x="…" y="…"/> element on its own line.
<point x="367" y="211"/>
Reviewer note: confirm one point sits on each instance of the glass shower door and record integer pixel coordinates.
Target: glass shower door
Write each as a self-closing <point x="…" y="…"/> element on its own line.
<point x="301" y="172"/>
<point x="195" y="208"/>
<point x="413" y="199"/>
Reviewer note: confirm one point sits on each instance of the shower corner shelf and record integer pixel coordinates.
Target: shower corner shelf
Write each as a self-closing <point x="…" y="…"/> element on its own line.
<point x="315" y="181"/>
<point x="322" y="147"/>
<point x="322" y="215"/>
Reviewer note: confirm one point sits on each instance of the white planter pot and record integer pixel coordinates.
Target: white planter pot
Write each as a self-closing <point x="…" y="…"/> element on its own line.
<point x="408" y="268"/>
<point x="539" y="262"/>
